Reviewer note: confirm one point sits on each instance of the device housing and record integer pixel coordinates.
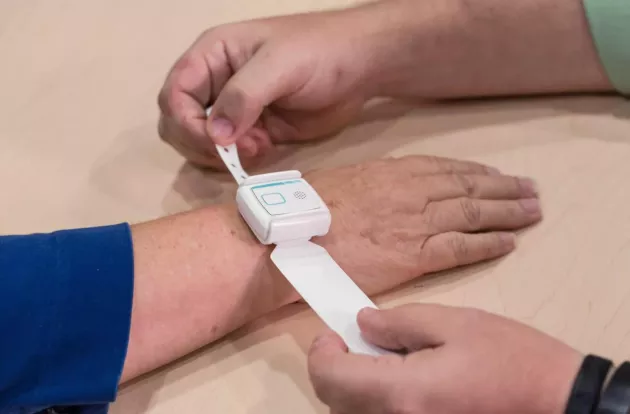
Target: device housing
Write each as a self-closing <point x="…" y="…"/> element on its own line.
<point x="282" y="207"/>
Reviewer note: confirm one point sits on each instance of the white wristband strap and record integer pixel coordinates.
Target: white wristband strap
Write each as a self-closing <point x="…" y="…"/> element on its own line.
<point x="334" y="297"/>
<point x="282" y="208"/>
<point x="230" y="158"/>
<point x="229" y="155"/>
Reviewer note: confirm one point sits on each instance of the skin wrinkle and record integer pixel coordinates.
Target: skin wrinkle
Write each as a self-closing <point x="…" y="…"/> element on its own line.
<point x="237" y="56"/>
<point x="215" y="85"/>
<point x="472" y="212"/>
<point x="466" y="183"/>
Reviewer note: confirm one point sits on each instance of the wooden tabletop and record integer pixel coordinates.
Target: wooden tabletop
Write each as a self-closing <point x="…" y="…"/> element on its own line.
<point x="78" y="118"/>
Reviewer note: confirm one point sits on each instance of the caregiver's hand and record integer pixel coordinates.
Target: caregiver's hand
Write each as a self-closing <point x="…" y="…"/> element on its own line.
<point x="305" y="76"/>
<point x="460" y="361"/>
<point x="396" y="219"/>
<point x="284" y="79"/>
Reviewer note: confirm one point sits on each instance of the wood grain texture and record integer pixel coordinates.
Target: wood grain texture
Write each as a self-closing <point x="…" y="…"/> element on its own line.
<point x="79" y="147"/>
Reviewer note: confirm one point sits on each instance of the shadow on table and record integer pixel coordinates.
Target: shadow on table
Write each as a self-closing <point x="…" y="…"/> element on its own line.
<point x="387" y="126"/>
<point x="384" y="128"/>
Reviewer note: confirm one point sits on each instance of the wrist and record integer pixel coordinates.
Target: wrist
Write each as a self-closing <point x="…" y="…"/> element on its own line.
<point x="276" y="289"/>
<point x="555" y="388"/>
<point x="588" y="385"/>
<point x="197" y="277"/>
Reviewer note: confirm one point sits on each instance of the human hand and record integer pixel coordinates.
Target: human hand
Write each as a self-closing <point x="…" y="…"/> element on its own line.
<point x="269" y="81"/>
<point x="397" y="219"/>
<point x="458" y="361"/>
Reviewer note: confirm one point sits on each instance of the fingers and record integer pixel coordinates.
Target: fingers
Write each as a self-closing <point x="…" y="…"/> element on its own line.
<point x="255" y="143"/>
<point x="409" y="328"/>
<point x="469" y="215"/>
<point x="182" y="101"/>
<point x="253" y="146"/>
<point x="427" y="165"/>
<point x="184" y="96"/>
<point x="264" y="79"/>
<point x="490" y="187"/>
<point x="351" y="381"/>
<point x="454" y="249"/>
<point x="193" y="82"/>
<point x="363" y="384"/>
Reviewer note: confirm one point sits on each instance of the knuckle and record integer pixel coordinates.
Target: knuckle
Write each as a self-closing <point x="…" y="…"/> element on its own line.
<point x="429" y="210"/>
<point x="165" y="99"/>
<point x="168" y="97"/>
<point x="167" y="132"/>
<point x="467" y="184"/>
<point x="471" y="211"/>
<point x="459" y="248"/>
<point x="490" y="249"/>
<point x="500" y="243"/>
<point x="516" y="184"/>
<point x="440" y="163"/>
<point x="162" y="130"/>
<point x="210" y="36"/>
<point x="186" y="61"/>
<point x="208" y="33"/>
<point x="238" y="97"/>
<point x="219" y="32"/>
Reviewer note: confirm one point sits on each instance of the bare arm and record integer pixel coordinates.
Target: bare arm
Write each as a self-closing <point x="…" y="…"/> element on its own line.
<point x="469" y="48"/>
<point x="202" y="274"/>
<point x="198" y="276"/>
<point x="301" y="77"/>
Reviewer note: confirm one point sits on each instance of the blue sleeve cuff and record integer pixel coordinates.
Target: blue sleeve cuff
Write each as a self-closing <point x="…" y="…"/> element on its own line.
<point x="65" y="301"/>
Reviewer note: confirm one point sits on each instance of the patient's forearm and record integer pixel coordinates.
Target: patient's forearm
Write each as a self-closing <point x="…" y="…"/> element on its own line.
<point x="198" y="276"/>
<point x="468" y="48"/>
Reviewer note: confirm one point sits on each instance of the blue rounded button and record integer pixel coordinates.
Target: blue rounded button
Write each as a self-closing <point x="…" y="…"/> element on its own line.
<point x="273" y="199"/>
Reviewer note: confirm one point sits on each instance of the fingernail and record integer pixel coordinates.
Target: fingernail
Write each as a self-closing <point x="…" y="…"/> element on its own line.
<point x="221" y="128"/>
<point x="493" y="171"/>
<point x="247" y="146"/>
<point x="528" y="187"/>
<point x="367" y="313"/>
<point x="530" y="206"/>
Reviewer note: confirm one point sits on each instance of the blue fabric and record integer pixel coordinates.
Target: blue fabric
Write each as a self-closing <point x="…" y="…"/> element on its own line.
<point x="65" y="312"/>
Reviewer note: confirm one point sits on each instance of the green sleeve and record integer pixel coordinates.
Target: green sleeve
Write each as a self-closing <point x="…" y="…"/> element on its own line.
<point x="610" y="27"/>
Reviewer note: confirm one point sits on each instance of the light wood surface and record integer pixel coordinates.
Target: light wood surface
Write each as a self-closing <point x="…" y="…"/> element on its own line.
<point x="79" y="80"/>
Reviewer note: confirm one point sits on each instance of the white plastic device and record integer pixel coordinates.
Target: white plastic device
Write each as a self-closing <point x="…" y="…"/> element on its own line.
<point x="282" y="208"/>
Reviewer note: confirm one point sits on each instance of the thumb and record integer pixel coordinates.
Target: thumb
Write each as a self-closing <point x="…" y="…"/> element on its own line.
<point x="262" y="80"/>
<point x="408" y="328"/>
<point x="351" y="382"/>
